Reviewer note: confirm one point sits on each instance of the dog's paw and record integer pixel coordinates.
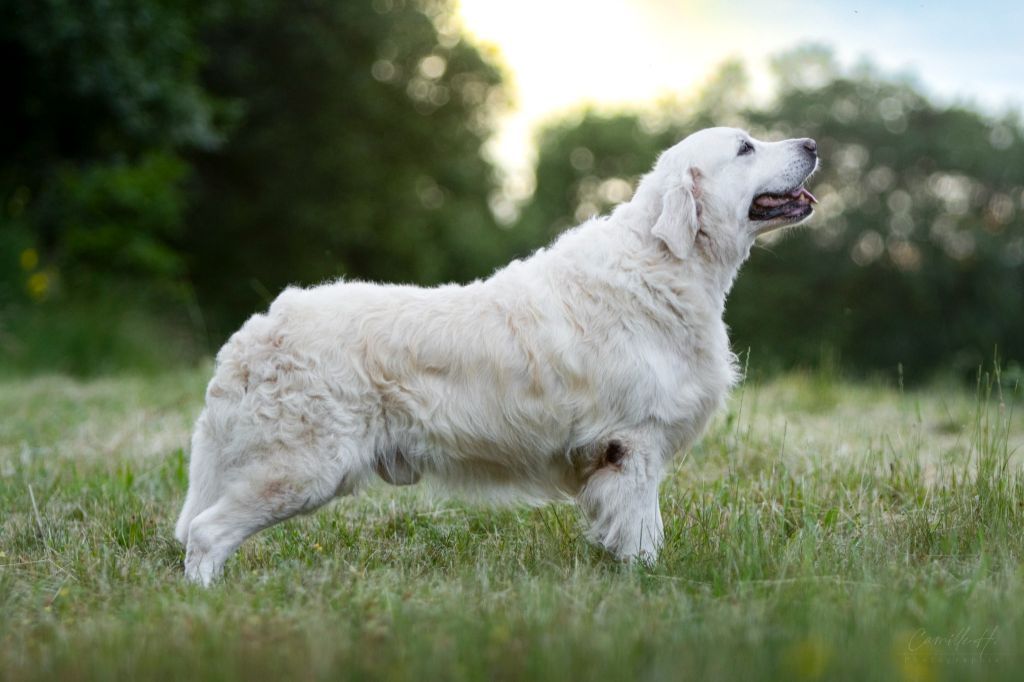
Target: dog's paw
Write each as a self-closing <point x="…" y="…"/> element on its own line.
<point x="645" y="555"/>
<point x="200" y="569"/>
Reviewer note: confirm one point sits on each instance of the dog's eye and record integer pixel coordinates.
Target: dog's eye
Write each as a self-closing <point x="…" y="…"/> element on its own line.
<point x="745" y="148"/>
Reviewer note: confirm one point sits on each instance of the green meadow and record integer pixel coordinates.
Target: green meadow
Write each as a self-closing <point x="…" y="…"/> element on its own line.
<point x="822" y="529"/>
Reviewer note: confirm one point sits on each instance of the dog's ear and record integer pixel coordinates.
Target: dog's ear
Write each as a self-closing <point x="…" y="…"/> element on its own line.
<point x="679" y="220"/>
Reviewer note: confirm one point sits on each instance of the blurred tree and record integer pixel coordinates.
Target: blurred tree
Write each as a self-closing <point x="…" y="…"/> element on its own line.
<point x="586" y="166"/>
<point x="102" y="97"/>
<point x="588" y="163"/>
<point x="239" y="145"/>
<point x="161" y="152"/>
<point x="916" y="256"/>
<point x="358" y="152"/>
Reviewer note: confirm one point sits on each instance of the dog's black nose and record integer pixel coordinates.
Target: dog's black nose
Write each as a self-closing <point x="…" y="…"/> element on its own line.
<point x="811" y="146"/>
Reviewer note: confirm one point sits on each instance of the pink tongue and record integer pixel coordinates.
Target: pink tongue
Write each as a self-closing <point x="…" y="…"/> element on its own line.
<point x="802" y="192"/>
<point x="799" y="194"/>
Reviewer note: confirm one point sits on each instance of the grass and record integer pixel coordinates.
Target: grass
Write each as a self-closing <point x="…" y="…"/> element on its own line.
<point x="821" y="530"/>
<point x="100" y="330"/>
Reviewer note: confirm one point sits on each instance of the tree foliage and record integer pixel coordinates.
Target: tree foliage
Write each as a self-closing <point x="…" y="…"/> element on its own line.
<point x="174" y="153"/>
<point x="357" y="153"/>
<point x="916" y="256"/>
<point x="105" y="96"/>
<point x="188" y="159"/>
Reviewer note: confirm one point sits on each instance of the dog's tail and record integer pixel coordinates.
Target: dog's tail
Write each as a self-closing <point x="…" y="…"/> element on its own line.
<point x="203" y="480"/>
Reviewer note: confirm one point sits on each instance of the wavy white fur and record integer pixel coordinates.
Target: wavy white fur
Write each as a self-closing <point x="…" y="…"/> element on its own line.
<point x="577" y="372"/>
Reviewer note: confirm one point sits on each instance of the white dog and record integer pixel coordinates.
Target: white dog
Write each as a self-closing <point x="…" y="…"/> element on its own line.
<point x="578" y="372"/>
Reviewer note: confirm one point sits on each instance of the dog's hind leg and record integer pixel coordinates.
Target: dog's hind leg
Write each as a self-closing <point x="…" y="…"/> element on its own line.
<point x="620" y="500"/>
<point x="203" y="479"/>
<point x="258" y="497"/>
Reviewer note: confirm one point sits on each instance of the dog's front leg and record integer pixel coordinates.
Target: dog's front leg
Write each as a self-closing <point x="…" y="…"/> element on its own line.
<point x="620" y="500"/>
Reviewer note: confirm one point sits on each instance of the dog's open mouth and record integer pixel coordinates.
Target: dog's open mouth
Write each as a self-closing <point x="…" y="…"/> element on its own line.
<point x="786" y="207"/>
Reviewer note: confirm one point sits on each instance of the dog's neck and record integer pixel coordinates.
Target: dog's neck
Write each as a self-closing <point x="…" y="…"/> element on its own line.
<point x="714" y="261"/>
<point x="719" y="255"/>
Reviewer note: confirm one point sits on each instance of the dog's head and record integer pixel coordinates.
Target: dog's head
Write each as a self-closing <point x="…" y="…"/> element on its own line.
<point x="731" y="187"/>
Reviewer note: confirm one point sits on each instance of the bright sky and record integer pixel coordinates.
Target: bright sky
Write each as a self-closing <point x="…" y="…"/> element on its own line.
<point x="561" y="53"/>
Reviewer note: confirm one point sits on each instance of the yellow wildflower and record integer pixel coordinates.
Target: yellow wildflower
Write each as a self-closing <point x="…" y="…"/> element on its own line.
<point x="29" y="259"/>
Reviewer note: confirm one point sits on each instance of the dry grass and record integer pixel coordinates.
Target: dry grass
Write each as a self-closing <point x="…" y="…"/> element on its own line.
<point x="821" y="530"/>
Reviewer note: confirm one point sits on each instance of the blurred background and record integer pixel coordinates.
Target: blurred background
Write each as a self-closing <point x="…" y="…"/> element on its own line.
<point x="168" y="166"/>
